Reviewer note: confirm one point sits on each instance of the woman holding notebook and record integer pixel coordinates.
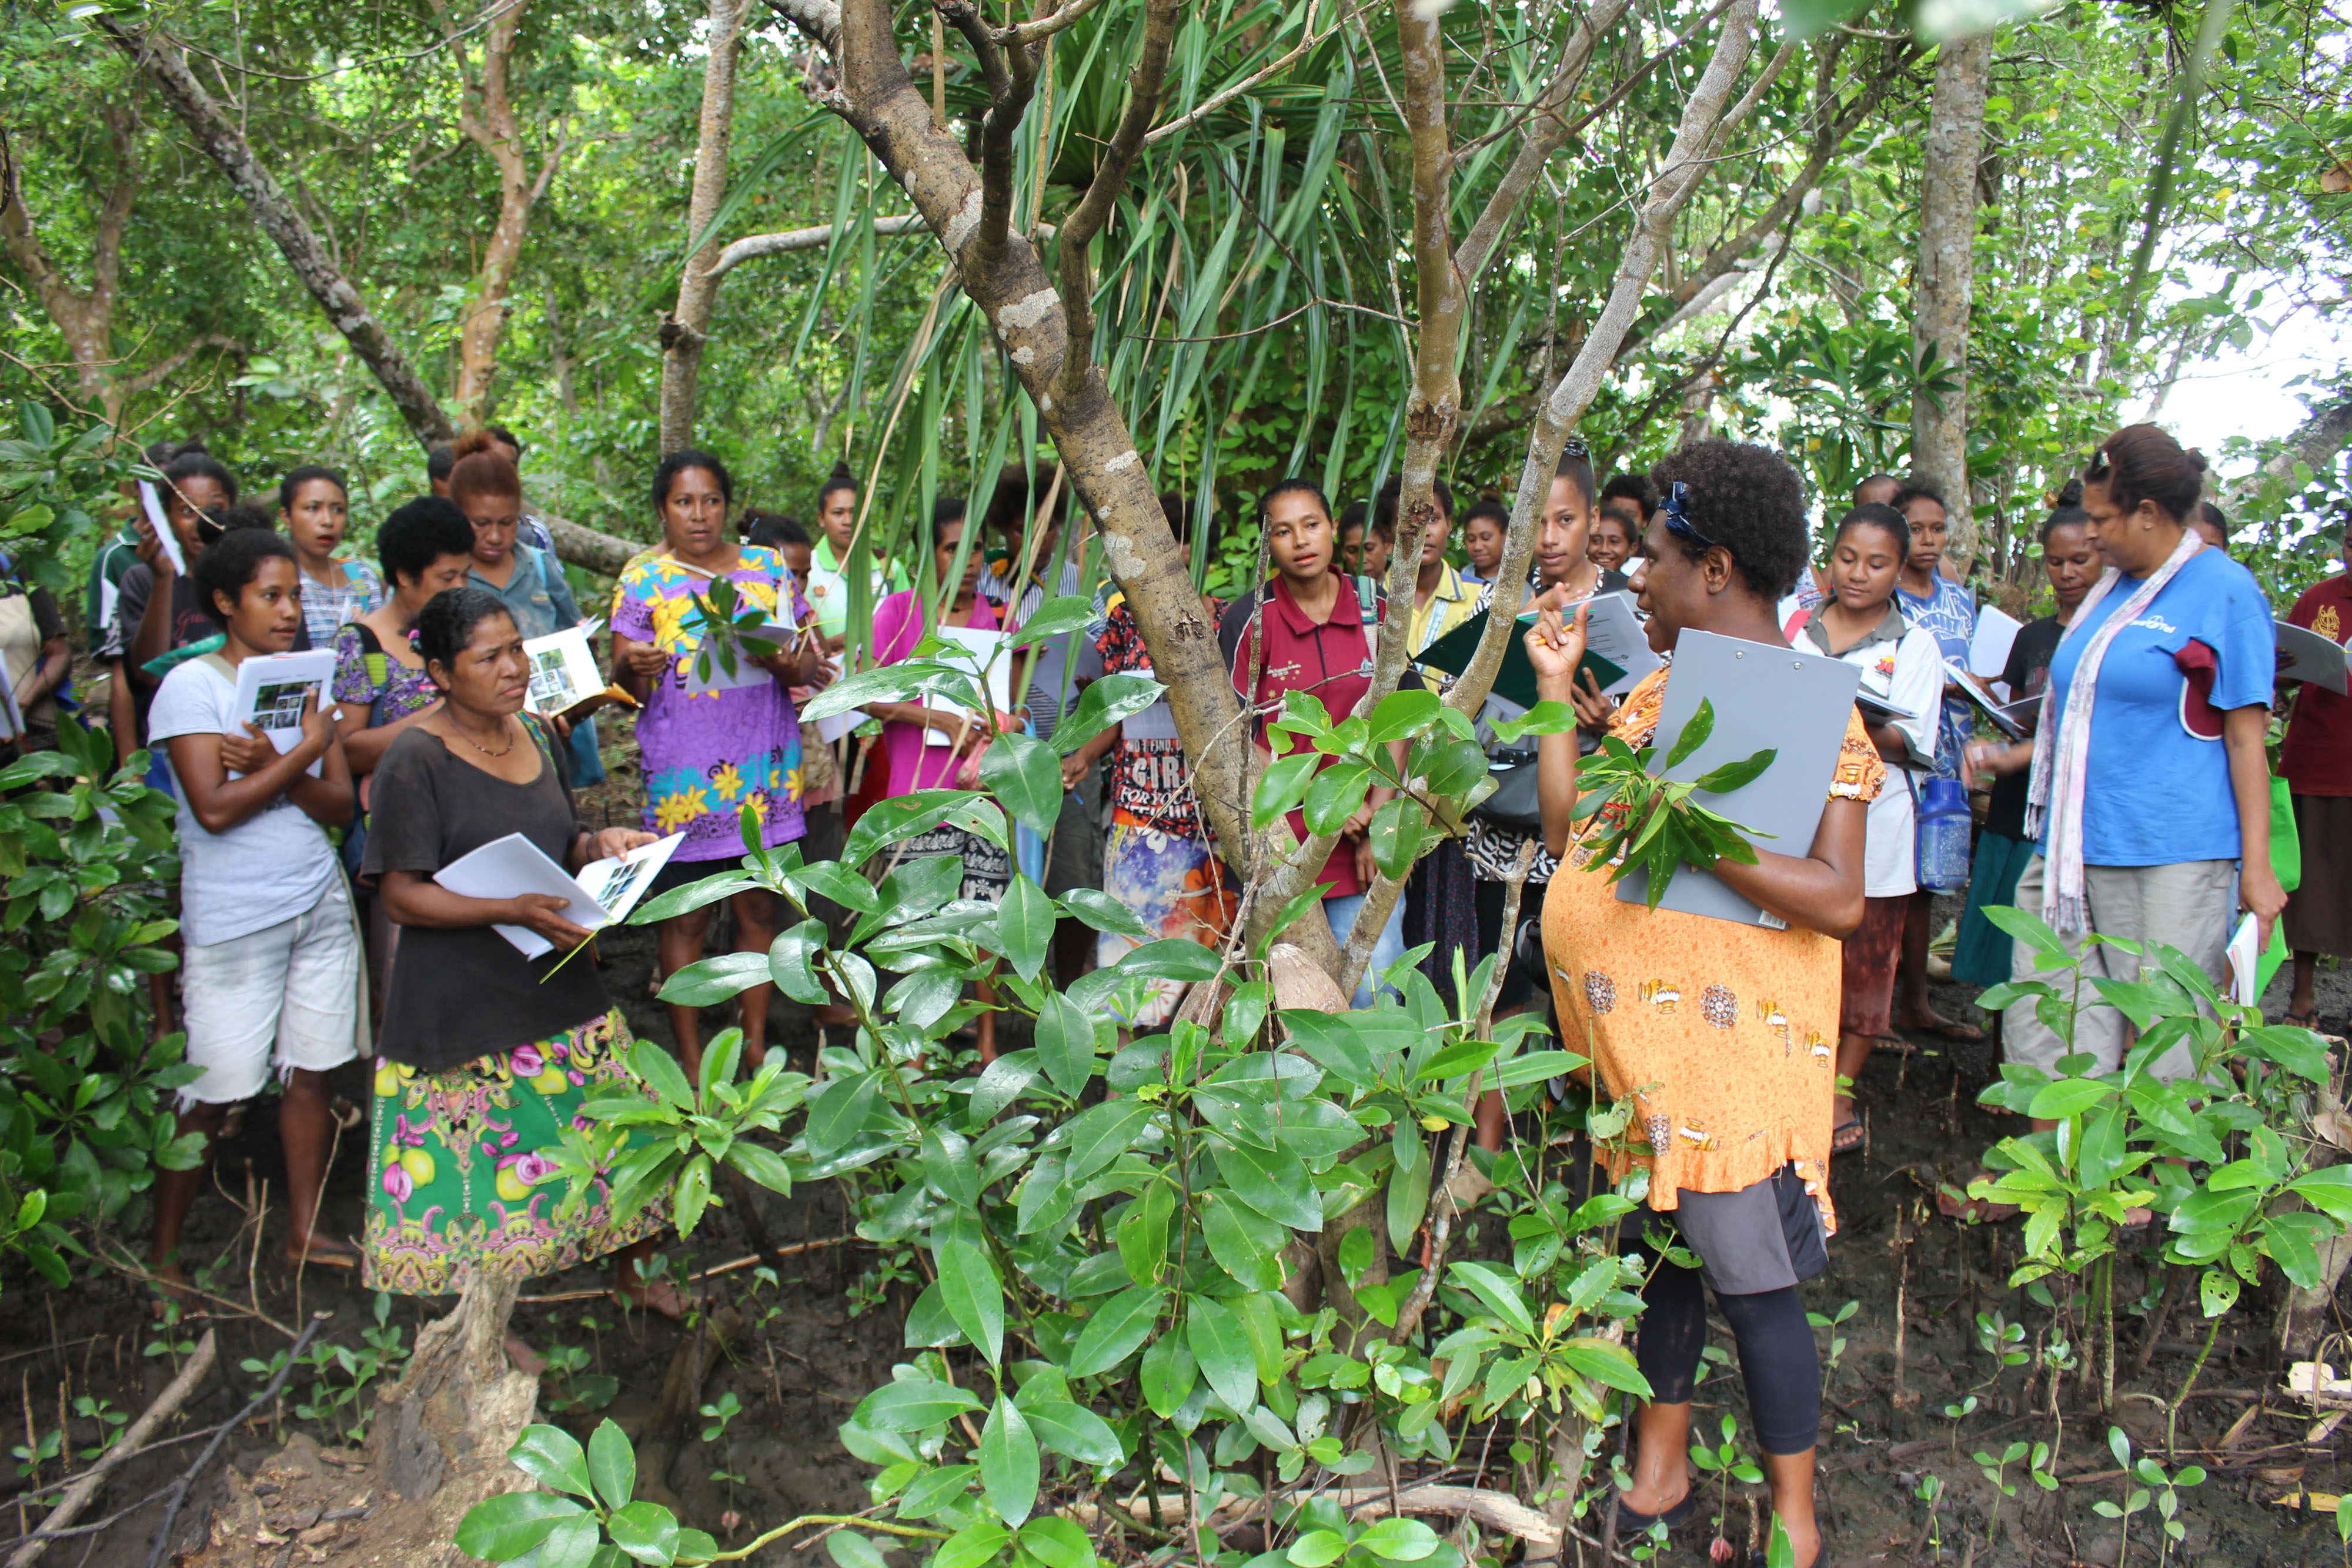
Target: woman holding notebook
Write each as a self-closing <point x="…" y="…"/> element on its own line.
<point x="715" y="741"/>
<point x="1715" y="1034"/>
<point x="269" y="977"/>
<point x="485" y="1056"/>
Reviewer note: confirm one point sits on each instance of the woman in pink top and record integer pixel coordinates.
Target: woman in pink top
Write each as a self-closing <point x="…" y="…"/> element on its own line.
<point x="915" y="764"/>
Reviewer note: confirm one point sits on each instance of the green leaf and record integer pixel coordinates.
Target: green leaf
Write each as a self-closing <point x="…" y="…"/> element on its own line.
<point x="1281" y="786"/>
<point x="1167" y="1375"/>
<point x="660" y="1071"/>
<point x="1102" y="705"/>
<point x="1172" y="958"/>
<point x="1116" y="1327"/>
<point x="1738" y="775"/>
<point x="1498" y="1290"/>
<point x="1101" y="911"/>
<point x="1273" y="1182"/>
<point x="850" y="1549"/>
<point x="1025" y="774"/>
<point x="1245" y="1243"/>
<point x="974" y="1296"/>
<point x="512" y="1523"/>
<point x="611" y="1465"/>
<point x="1401" y="716"/>
<point x="2217" y="1292"/>
<point x="552" y="1457"/>
<point x="1395" y="836"/>
<point x="645" y="1531"/>
<point x="1057" y="1542"/>
<point x="1214" y="1333"/>
<point x="1009" y="1469"/>
<point x="2066" y="1097"/>
<point x="974" y="1544"/>
<point x="693" y="1194"/>
<point x="1073" y="1431"/>
<point x="1605" y="1362"/>
<point x="1025" y="925"/>
<point x="1065" y="1042"/>
<point x="792" y="963"/>
<point x="1333" y="796"/>
<point x="1100" y="1134"/>
<point x="913" y="1404"/>
<point x="1694" y="736"/>
<point x="707" y="981"/>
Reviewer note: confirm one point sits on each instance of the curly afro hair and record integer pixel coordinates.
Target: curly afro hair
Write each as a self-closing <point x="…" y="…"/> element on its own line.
<point x="1748" y="500"/>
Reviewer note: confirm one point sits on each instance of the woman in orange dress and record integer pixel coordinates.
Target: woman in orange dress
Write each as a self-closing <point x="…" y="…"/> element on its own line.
<point x="1722" y="1035"/>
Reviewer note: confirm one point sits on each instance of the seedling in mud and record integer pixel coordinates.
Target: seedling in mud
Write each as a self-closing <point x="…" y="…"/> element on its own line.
<point x="2155" y="1486"/>
<point x="1994" y="1469"/>
<point x="109" y="1421"/>
<point x="1836" y="1351"/>
<point x="2002" y="1340"/>
<point x="1930" y="1492"/>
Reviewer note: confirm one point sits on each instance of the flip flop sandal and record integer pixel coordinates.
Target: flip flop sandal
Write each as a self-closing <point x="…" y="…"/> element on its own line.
<point x="348" y="1116"/>
<point x="1950" y="1028"/>
<point x="325" y="1252"/>
<point x="2306" y="1020"/>
<point x="1901" y="1045"/>
<point x="1839" y="1142"/>
<point x="1633" y="1522"/>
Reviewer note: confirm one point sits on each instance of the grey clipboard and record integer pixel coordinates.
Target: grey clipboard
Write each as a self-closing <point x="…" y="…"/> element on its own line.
<point x="1797" y="702"/>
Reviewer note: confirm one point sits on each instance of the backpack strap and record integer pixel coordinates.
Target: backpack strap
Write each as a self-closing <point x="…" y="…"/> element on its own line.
<point x="1368" y="608"/>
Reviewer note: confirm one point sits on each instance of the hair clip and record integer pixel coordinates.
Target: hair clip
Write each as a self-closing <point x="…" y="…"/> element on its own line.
<point x="1575" y="447"/>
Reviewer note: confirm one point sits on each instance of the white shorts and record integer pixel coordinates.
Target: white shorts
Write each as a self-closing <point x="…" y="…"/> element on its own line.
<point x="294" y="985"/>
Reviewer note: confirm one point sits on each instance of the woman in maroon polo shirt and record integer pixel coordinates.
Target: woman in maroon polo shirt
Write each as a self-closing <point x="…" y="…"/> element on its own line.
<point x="2316" y="758"/>
<point x="1316" y="643"/>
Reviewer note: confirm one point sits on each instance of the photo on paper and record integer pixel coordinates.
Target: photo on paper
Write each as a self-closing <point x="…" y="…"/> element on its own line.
<point x="280" y="707"/>
<point x="563" y="672"/>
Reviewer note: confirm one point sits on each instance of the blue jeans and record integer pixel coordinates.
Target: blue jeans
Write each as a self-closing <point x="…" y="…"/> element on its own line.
<point x="1341" y="913"/>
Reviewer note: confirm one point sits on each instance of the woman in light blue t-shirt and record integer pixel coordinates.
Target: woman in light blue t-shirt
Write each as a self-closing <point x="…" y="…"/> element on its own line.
<point x="2149" y="806"/>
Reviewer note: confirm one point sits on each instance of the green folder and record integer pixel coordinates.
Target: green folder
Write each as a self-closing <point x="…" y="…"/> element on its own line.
<point x="1516" y="680"/>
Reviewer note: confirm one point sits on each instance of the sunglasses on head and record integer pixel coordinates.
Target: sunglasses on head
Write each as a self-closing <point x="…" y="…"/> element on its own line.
<point x="1676" y="507"/>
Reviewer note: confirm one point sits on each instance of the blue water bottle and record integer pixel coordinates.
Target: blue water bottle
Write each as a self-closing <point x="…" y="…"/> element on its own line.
<point x="1943" y="834"/>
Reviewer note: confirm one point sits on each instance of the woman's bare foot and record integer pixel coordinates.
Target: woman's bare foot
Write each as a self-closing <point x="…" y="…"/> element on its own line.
<point x="522" y="1358"/>
<point x="1926" y="1020"/>
<point x="633" y="1292"/>
<point x="169" y="1283"/>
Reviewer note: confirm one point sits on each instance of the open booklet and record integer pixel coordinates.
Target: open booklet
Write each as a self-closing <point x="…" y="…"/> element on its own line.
<point x="2012" y="719"/>
<point x="271" y="689"/>
<point x="602" y="894"/>
<point x="2251" y="964"/>
<point x="563" y="673"/>
<point x="2305" y="655"/>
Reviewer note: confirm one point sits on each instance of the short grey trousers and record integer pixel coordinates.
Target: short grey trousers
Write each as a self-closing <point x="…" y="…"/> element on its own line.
<point x="2188" y="905"/>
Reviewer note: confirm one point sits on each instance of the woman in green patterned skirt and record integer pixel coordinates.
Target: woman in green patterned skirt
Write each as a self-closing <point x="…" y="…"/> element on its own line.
<point x="486" y="1055"/>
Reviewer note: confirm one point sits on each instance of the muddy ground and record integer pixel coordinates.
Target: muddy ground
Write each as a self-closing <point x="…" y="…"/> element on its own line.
<point x="828" y="1332"/>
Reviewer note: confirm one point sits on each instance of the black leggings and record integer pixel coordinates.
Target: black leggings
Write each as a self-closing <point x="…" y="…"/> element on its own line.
<point x="1777" y="1358"/>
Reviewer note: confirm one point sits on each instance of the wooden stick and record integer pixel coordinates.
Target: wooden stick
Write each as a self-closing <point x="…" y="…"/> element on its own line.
<point x="793" y="1251"/>
<point x="131" y="1439"/>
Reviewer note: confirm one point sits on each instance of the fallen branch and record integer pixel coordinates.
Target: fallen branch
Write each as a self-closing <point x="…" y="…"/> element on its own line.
<point x="1495" y="1510"/>
<point x="179" y="1489"/>
<point x="132" y="1438"/>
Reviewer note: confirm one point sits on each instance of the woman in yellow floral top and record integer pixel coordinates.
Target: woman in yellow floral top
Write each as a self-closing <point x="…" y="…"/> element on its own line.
<point x="1721" y="1035"/>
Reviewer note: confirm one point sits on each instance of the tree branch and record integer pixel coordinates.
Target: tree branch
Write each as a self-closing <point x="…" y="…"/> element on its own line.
<point x="1548" y="133"/>
<point x="751" y="246"/>
<point x="1044" y="28"/>
<point x="276" y="217"/>
<point x="1078" y="231"/>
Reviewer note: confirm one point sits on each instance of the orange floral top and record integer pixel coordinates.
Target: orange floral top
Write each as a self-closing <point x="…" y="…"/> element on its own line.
<point x="1723" y="1036"/>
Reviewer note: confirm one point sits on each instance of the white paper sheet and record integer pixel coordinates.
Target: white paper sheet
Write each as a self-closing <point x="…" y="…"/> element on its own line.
<point x="2245" y="953"/>
<point x="153" y="503"/>
<point x="1613" y="629"/>
<point x="1981" y="694"/>
<point x="1157" y="722"/>
<point x="973" y="649"/>
<point x="270" y="689"/>
<point x="513" y="865"/>
<point x="1989" y="649"/>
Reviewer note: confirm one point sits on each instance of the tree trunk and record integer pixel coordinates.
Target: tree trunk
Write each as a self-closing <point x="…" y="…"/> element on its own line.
<point x="494" y="128"/>
<point x="277" y="218"/>
<point x="441" y="1433"/>
<point x="685" y="333"/>
<point x="1939" y="292"/>
<point x="2314" y="443"/>
<point x="84" y="318"/>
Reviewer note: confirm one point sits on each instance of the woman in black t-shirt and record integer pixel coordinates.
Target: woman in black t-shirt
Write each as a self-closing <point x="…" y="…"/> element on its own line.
<point x="485" y="1055"/>
<point x="1981" y="956"/>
